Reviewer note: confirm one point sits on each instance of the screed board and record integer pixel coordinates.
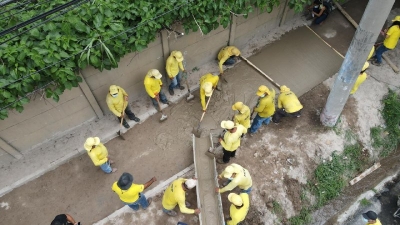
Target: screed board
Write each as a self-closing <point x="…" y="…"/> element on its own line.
<point x="208" y="201"/>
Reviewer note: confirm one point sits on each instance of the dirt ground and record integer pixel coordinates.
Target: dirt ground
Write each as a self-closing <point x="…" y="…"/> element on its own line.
<point x="281" y="158"/>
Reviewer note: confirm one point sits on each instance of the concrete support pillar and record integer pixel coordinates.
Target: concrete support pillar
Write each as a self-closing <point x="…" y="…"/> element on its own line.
<point x="165" y="50"/>
<point x="90" y="97"/>
<point x="371" y="23"/>
<point x="232" y="29"/>
<point x="10" y="149"/>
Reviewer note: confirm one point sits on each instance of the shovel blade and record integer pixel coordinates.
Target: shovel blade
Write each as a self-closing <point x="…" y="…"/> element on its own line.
<point x="120" y="135"/>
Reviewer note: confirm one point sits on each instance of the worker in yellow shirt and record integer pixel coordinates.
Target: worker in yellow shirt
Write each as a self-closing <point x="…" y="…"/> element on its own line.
<point x="237" y="177"/>
<point x="208" y="83"/>
<point x="361" y="78"/>
<point x="265" y="108"/>
<point x="239" y="208"/>
<point x="174" y="69"/>
<point x="288" y="105"/>
<point x="392" y="36"/>
<point x="117" y="102"/>
<point x="130" y="193"/>
<point x="99" y="154"/>
<point x="370" y="218"/>
<point x="231" y="140"/>
<point x="175" y="194"/>
<point x="227" y="56"/>
<point x="152" y="84"/>
<point x="243" y="115"/>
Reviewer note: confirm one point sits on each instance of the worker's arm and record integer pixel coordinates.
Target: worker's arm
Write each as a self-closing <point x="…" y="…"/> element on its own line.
<point x="222" y="61"/>
<point x="280" y="102"/>
<point x="320" y="11"/>
<point x="112" y="108"/>
<point x="228" y="187"/>
<point x="215" y="81"/>
<point x="150" y="92"/>
<point x="95" y="160"/>
<point x="70" y="219"/>
<point x="260" y="106"/>
<point x="184" y="209"/>
<point x="148" y="183"/>
<point x="180" y="64"/>
<point x="168" y="69"/>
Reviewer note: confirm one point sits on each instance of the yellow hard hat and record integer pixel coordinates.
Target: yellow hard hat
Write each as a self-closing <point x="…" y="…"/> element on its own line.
<point x="235" y="199"/>
<point x="262" y="89"/>
<point x="113" y="89"/>
<point x="397" y="18"/>
<point x="178" y="55"/>
<point x="284" y="88"/>
<point x="237" y="106"/>
<point x="90" y="142"/>
<point x="207" y="86"/>
<point x="235" y="51"/>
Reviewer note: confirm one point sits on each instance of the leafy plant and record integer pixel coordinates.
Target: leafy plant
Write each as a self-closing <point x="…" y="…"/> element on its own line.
<point x="365" y="202"/>
<point x="304" y="217"/>
<point x="45" y="57"/>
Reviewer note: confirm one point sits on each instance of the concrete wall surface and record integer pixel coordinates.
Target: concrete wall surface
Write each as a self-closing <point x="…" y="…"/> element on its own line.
<point x="45" y="119"/>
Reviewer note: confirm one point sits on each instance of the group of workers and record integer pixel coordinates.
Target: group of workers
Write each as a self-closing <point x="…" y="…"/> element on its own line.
<point x="288" y="106"/>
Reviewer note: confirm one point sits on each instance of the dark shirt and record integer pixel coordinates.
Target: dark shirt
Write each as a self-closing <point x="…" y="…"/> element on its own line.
<point x="60" y="220"/>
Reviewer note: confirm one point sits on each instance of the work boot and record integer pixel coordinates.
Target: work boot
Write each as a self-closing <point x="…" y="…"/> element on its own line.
<point x="125" y="124"/>
<point x="376" y="63"/>
<point x="172" y="213"/>
<point x="171" y="92"/>
<point x="187" y="204"/>
<point x="181" y="87"/>
<point x="167" y="103"/>
<point x="136" y="119"/>
<point x="220" y="161"/>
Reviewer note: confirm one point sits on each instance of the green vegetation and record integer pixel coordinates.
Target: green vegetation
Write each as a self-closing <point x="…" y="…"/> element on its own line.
<point x="45" y="57"/>
<point x="276" y="207"/>
<point x="386" y="139"/>
<point x="303" y="218"/>
<point x="365" y="202"/>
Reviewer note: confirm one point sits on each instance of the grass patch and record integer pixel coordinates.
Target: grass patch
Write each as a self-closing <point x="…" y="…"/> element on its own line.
<point x="365" y="202"/>
<point x="276" y="207"/>
<point x="304" y="217"/>
<point x="386" y="139"/>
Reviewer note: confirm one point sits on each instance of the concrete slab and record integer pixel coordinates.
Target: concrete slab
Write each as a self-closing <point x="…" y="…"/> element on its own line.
<point x="299" y="60"/>
<point x="208" y="201"/>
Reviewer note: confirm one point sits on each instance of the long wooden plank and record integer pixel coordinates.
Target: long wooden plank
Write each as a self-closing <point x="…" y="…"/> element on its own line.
<point x="365" y="173"/>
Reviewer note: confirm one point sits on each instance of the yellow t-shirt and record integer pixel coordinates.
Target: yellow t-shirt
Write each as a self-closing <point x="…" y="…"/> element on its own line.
<point x="243" y="118"/>
<point x="128" y="196"/>
<point x="360" y="79"/>
<point x="239" y="214"/>
<point x="289" y="101"/>
<point x="99" y="154"/>
<point x="242" y="179"/>
<point x="377" y="222"/>
<point x="231" y="141"/>
<point x="152" y="86"/>
<point x="172" y="66"/>
<point x="116" y="105"/>
<point x="224" y="55"/>
<point x="266" y="105"/>
<point x="175" y="195"/>
<point x="394" y="34"/>
<point x="207" y="78"/>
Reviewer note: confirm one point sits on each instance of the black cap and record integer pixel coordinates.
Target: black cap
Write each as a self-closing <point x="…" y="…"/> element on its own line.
<point x="125" y="181"/>
<point x="370" y="215"/>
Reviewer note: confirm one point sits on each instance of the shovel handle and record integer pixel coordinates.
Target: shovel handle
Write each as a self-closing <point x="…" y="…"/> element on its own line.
<point x="208" y="101"/>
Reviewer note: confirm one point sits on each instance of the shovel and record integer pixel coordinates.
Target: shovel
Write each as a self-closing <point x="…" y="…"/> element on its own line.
<point x="190" y="96"/>
<point x="120" y="124"/>
<point x="197" y="131"/>
<point x="163" y="117"/>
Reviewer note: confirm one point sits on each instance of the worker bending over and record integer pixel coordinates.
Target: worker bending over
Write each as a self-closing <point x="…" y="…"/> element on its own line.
<point x="208" y="83"/>
<point x="237" y="177"/>
<point x="175" y="194"/>
<point x="227" y="56"/>
<point x="288" y="105"/>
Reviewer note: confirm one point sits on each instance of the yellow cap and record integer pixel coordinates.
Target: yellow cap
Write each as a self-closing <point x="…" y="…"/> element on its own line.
<point x="284" y="88"/>
<point x="207" y="86"/>
<point x="154" y="73"/>
<point x="397" y="18"/>
<point x="227" y="124"/>
<point x="113" y="89"/>
<point x="229" y="170"/>
<point x="366" y="65"/>
<point x="237" y="106"/>
<point x="178" y="55"/>
<point x="90" y="142"/>
<point x="235" y="51"/>
<point x="262" y="89"/>
<point x="235" y="199"/>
